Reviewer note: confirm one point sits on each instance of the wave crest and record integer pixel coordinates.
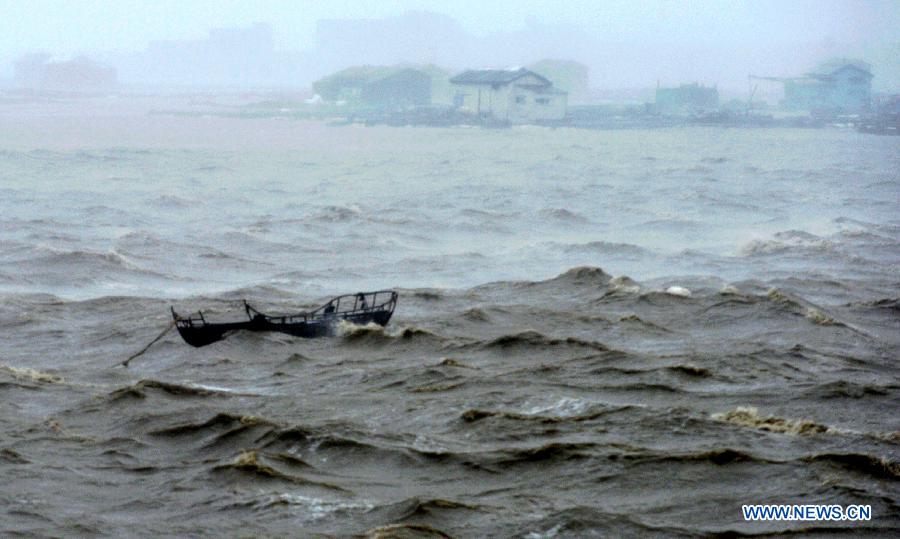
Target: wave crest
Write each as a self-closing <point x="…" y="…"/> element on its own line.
<point x="879" y="467"/>
<point x="749" y="417"/>
<point x="373" y="333"/>
<point x="531" y="338"/>
<point x="31" y="375"/>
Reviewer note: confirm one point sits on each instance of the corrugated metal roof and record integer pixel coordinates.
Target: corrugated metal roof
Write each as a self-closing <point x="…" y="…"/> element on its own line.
<point x="493" y="76"/>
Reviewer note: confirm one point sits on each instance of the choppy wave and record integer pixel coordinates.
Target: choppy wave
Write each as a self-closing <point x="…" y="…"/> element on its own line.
<point x="31" y="375"/>
<point x="372" y="333"/>
<point x="877" y="467"/>
<point x="749" y="417"/>
<point x="141" y="389"/>
<point x="696" y="318"/>
<point x="256" y="466"/>
<point x="390" y="531"/>
<point x="221" y="421"/>
<point x="563" y="215"/>
<point x="590" y="414"/>
<point x="534" y="340"/>
<point x="608" y="248"/>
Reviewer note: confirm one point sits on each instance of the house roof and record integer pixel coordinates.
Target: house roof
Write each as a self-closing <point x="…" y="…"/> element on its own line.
<point x="494" y="76"/>
<point x="836" y="64"/>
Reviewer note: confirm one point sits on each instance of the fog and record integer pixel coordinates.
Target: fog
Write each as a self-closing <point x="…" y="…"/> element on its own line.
<point x="291" y="44"/>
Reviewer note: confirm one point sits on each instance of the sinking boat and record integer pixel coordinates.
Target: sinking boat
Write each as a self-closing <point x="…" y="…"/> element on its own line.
<point x="360" y="308"/>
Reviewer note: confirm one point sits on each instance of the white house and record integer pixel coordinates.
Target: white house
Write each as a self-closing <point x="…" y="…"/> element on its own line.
<point x="511" y="95"/>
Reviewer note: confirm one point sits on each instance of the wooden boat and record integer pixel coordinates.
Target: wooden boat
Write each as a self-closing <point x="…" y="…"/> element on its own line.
<point x="361" y="308"/>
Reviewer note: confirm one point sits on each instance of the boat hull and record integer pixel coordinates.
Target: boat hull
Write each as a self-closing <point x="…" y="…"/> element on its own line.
<point x="197" y="332"/>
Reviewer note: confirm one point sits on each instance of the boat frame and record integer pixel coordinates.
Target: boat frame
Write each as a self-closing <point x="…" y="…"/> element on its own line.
<point x="360" y="308"/>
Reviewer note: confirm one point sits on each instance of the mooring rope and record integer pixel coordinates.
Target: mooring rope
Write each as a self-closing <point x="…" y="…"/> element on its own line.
<point x="144" y="349"/>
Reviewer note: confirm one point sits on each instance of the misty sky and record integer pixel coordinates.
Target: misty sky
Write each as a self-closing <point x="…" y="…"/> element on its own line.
<point x="746" y="31"/>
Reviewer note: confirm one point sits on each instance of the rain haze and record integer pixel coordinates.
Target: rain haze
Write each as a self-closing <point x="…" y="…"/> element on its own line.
<point x="449" y="269"/>
<point x="624" y="44"/>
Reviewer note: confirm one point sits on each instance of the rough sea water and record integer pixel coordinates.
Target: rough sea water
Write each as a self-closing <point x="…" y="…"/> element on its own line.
<point x="599" y="333"/>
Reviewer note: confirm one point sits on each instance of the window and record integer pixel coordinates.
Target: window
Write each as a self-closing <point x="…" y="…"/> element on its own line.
<point x="520" y="99"/>
<point x="458" y="100"/>
<point x="542" y="100"/>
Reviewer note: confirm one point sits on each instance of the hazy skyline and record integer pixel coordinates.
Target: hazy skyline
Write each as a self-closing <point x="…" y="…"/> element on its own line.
<point x="624" y="44"/>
